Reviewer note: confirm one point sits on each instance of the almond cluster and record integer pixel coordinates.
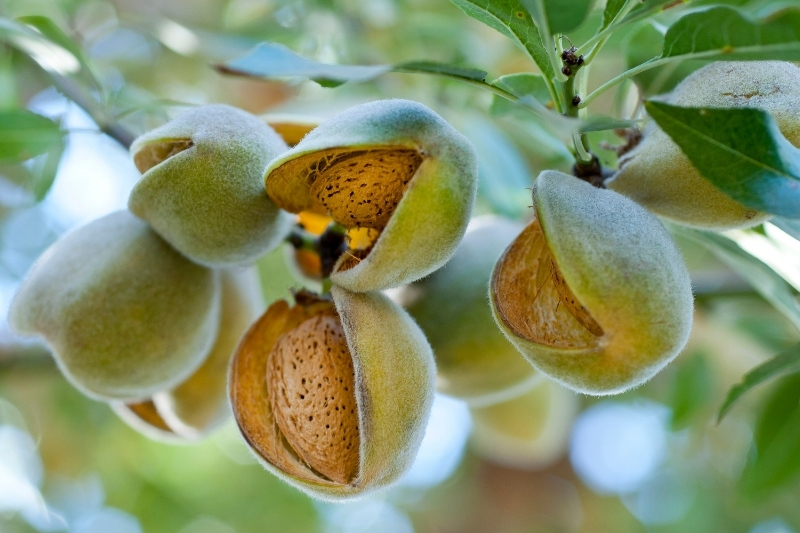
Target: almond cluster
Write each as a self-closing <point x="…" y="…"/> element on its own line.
<point x="157" y="310"/>
<point x="151" y="309"/>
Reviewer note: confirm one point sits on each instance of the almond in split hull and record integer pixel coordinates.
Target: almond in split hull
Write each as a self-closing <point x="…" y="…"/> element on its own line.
<point x="393" y="167"/>
<point x="311" y="387"/>
<point x="593" y="292"/>
<point x="380" y="374"/>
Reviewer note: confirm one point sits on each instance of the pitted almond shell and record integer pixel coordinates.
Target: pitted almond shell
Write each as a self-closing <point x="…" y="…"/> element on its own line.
<point x="594" y="291"/>
<point x="474" y="360"/>
<point x="123" y="313"/>
<point x="659" y="176"/>
<point x="311" y="384"/>
<point x="200" y="404"/>
<point x="530" y="431"/>
<point x="393" y="381"/>
<point x="393" y="166"/>
<point x="291" y="128"/>
<point x="201" y="187"/>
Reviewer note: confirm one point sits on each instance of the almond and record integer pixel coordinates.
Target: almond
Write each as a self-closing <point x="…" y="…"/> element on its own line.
<point x="358" y="188"/>
<point x="199" y="405"/>
<point x="394" y="167"/>
<point x="148" y="413"/>
<point x="201" y="188"/>
<point x="144" y="417"/>
<point x="530" y="431"/>
<point x="526" y="270"/>
<point x="124" y="314"/>
<point x="334" y="396"/>
<point x="658" y="175"/>
<point x="291" y="128"/>
<point x="593" y="292"/>
<point x="474" y="360"/>
<point x="363" y="188"/>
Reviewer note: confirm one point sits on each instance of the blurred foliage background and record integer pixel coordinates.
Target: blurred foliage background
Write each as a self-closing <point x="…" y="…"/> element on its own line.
<point x="654" y="459"/>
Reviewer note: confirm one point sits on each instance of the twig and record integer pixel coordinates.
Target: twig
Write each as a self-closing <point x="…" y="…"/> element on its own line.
<point x="113" y="129"/>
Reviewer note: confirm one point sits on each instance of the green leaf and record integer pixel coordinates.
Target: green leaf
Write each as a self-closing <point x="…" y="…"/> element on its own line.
<point x="643" y="45"/>
<point x="788" y="225"/>
<point x="17" y="174"/>
<point x="49" y="29"/>
<point x="739" y="3"/>
<point x="646" y="44"/>
<point x="613" y="7"/>
<point x="717" y="33"/>
<point x="54" y="34"/>
<point x="24" y="134"/>
<point x="520" y="85"/>
<point x="45" y="169"/>
<point x="783" y="363"/>
<point x="269" y="60"/>
<point x="35" y="176"/>
<point x="776" y="461"/>
<point x="650" y="8"/>
<point x="768" y="283"/>
<point x="504" y="174"/>
<point x="740" y="151"/>
<point x="603" y="123"/>
<point x="9" y="94"/>
<point x="50" y="56"/>
<point x="725" y="33"/>
<point x="512" y="19"/>
<point x="692" y="388"/>
<point x="450" y="71"/>
<point x="564" y="16"/>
